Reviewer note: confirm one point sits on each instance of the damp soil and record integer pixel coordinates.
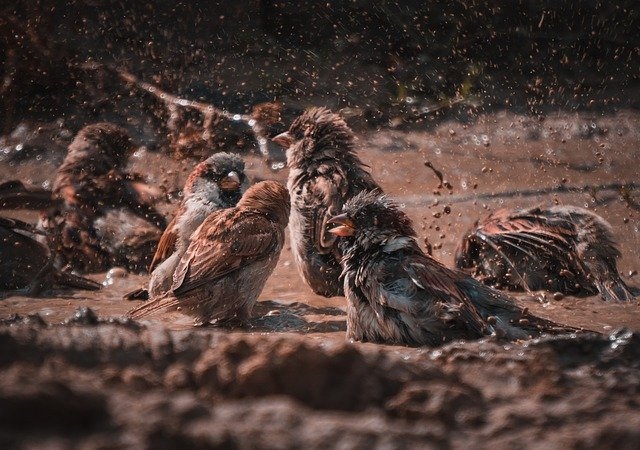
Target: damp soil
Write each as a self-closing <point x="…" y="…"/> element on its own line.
<point x="515" y="106"/>
<point x="75" y="373"/>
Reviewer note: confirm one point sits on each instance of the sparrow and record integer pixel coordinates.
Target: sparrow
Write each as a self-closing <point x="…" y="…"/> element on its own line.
<point x="397" y="294"/>
<point x="563" y="249"/>
<point x="324" y="172"/>
<point x="105" y="215"/>
<point x="229" y="258"/>
<point x="216" y="183"/>
<point x="26" y="265"/>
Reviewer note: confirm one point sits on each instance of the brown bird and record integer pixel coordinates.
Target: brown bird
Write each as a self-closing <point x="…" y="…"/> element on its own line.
<point x="26" y="265"/>
<point x="105" y="217"/>
<point x="562" y="248"/>
<point x="216" y="183"/>
<point x="324" y="172"/>
<point x="229" y="258"/>
<point x="396" y="294"/>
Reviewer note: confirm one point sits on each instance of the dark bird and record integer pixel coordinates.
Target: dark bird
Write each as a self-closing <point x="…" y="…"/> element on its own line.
<point x="216" y="183"/>
<point x="26" y="265"/>
<point x="396" y="294"/>
<point x="559" y="249"/>
<point x="229" y="259"/>
<point x="324" y="172"/>
<point x="105" y="215"/>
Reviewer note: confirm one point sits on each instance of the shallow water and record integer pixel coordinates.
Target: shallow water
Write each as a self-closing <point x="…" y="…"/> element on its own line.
<point x="502" y="160"/>
<point x="289" y="379"/>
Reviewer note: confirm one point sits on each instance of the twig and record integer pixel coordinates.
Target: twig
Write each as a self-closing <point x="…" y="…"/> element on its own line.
<point x="211" y="115"/>
<point x="623" y="188"/>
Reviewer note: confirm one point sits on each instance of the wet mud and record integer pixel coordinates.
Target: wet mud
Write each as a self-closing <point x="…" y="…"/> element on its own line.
<point x="75" y="373"/>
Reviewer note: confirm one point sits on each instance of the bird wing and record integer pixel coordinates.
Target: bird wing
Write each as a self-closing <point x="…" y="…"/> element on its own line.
<point x="530" y="232"/>
<point x="411" y="282"/>
<point x="326" y="194"/>
<point x="14" y="194"/>
<point x="437" y="282"/>
<point x="166" y="245"/>
<point x="131" y="196"/>
<point x="146" y="193"/>
<point x="226" y="241"/>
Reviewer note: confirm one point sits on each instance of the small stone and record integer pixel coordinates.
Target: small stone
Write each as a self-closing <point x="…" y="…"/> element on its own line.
<point x="83" y="316"/>
<point x="558" y="296"/>
<point x="117" y="272"/>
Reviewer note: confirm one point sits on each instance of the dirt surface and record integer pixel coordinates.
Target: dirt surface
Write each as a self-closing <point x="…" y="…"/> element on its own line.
<point x="291" y="380"/>
<point x="514" y="106"/>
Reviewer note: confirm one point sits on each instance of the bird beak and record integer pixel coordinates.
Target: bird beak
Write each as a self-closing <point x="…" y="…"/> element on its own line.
<point x="231" y="182"/>
<point x="345" y="227"/>
<point x="284" y="140"/>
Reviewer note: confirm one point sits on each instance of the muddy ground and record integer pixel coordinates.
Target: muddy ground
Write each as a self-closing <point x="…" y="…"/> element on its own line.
<point x="290" y="380"/>
<point x="517" y="114"/>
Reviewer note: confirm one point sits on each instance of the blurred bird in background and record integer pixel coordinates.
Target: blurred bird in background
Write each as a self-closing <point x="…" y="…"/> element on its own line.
<point x="559" y="249"/>
<point x="27" y="265"/>
<point x="105" y="216"/>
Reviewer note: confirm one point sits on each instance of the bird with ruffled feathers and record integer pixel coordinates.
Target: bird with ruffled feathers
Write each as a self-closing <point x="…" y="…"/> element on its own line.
<point x="324" y="172"/>
<point x="397" y="294"/>
<point x="561" y="248"/>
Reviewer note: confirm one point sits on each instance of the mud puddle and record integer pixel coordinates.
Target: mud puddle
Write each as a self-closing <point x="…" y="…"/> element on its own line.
<point x="290" y="380"/>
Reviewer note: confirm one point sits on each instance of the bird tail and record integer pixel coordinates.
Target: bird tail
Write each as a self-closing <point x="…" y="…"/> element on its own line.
<point x="138" y="294"/>
<point x="505" y="317"/>
<point x="604" y="274"/>
<point x="154" y="305"/>
<point x="614" y="289"/>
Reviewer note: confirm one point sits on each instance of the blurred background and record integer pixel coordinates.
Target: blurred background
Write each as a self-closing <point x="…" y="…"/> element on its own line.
<point x="383" y="63"/>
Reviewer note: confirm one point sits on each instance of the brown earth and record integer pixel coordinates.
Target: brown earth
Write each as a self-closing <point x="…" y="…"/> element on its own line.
<point x="516" y="106"/>
<point x="291" y="381"/>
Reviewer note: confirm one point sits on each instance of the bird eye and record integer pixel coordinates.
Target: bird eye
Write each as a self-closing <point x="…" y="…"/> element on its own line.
<point x="298" y="134"/>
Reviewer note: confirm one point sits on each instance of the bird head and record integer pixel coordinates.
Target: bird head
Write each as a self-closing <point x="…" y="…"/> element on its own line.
<point x="316" y="133"/>
<point x="112" y="142"/>
<point x="372" y="216"/>
<point x="270" y="198"/>
<point x="220" y="176"/>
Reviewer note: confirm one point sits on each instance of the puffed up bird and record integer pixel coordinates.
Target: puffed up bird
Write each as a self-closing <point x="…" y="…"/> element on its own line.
<point x="216" y="183"/>
<point x="229" y="258"/>
<point x="559" y="249"/>
<point x="324" y="172"/>
<point x="105" y="215"/>
<point x="396" y="294"/>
